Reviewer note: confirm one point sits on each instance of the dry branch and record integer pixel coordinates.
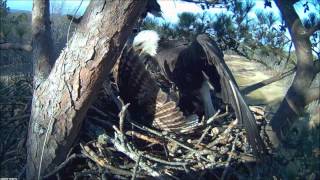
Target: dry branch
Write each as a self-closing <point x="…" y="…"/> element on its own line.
<point x="253" y="87"/>
<point x="120" y="144"/>
<point x="16" y="46"/>
<point x="63" y="165"/>
<point x="144" y="137"/>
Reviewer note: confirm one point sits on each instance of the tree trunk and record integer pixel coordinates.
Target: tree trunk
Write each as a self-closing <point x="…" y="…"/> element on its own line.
<point x="60" y="102"/>
<point x="296" y="98"/>
<point x="41" y="41"/>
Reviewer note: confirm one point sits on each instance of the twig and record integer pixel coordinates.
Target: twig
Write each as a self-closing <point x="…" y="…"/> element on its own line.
<point x="135" y="169"/>
<point x="227" y="165"/>
<point x="203" y="135"/>
<point x="112" y="169"/>
<point x="63" y="164"/>
<point x="120" y="145"/>
<point x="93" y="156"/>
<point x="170" y="139"/>
<point x="164" y="161"/>
<point x="209" y="121"/>
<point x="122" y="116"/>
<point x="226" y="132"/>
<point x="143" y="137"/>
<point x="214" y="117"/>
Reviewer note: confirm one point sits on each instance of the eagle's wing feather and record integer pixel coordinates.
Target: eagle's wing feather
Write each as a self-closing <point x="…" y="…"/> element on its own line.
<point x="230" y="92"/>
<point x="148" y="102"/>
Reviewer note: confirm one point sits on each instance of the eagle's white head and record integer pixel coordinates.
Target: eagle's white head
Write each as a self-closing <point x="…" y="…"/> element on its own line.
<point x="146" y="42"/>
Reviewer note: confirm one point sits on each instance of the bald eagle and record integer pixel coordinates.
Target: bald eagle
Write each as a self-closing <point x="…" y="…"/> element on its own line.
<point x="193" y="68"/>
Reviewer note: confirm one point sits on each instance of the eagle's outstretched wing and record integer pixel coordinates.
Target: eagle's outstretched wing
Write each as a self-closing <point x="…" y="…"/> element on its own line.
<point x="149" y="104"/>
<point x="229" y="91"/>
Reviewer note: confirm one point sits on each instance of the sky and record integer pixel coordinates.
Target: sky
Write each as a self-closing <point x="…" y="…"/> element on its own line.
<point x="170" y="8"/>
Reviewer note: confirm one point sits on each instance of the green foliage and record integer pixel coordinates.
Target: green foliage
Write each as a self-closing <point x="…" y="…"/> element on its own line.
<point x="21" y="25"/>
<point x="150" y="24"/>
<point x="240" y="10"/>
<point x="309" y="22"/>
<point x="190" y="24"/>
<point x="4" y="9"/>
<point x="166" y="29"/>
<point x="4" y="28"/>
<point x="186" y="20"/>
<point x="224" y="30"/>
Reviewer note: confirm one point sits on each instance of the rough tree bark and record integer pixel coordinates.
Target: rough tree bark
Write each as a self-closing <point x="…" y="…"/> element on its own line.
<point x="297" y="96"/>
<point x="61" y="100"/>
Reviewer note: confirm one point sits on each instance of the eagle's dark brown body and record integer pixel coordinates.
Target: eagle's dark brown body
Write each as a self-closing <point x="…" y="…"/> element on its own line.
<point x="183" y="64"/>
<point x="149" y="104"/>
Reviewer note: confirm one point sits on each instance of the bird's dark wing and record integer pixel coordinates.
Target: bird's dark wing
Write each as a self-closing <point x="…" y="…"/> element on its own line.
<point x="230" y="92"/>
<point x="149" y="105"/>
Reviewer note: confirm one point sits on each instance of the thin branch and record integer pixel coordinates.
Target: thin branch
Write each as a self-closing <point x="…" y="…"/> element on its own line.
<point x="144" y="137"/>
<point x="120" y="145"/>
<point x="194" y="151"/>
<point x="209" y="121"/>
<point x="63" y="164"/>
<point x="263" y="83"/>
<point x="16" y="46"/>
<point x="113" y="170"/>
<point x="164" y="161"/>
<point x="214" y="117"/>
<point x="227" y="166"/>
<point x="226" y="132"/>
<point x="135" y="169"/>
<point x="122" y="116"/>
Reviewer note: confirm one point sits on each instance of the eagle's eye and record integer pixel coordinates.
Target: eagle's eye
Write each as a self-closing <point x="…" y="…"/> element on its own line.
<point x="139" y="44"/>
